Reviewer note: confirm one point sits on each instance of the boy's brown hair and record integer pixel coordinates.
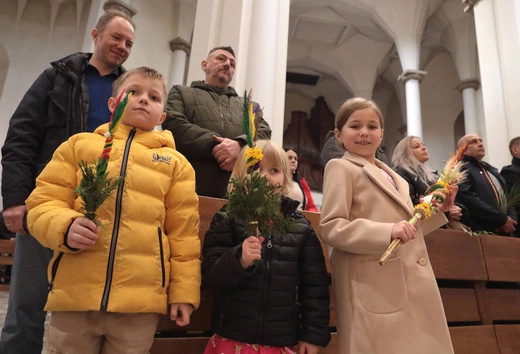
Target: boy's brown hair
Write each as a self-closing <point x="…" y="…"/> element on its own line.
<point x="143" y="71"/>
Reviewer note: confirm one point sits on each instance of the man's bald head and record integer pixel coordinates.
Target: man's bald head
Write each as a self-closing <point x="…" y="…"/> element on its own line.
<point x="475" y="146"/>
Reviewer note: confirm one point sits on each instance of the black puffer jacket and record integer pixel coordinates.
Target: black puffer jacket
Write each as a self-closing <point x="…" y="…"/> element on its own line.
<point x="54" y="108"/>
<point x="282" y="298"/>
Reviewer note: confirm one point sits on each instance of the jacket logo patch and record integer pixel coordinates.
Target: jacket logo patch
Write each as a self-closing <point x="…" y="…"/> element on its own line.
<point x="159" y="158"/>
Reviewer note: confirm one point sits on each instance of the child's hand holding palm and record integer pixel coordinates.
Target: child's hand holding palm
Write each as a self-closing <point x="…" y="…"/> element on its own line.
<point x="251" y="251"/>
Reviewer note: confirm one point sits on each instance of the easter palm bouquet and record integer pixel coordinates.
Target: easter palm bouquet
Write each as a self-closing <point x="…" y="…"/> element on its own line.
<point x="96" y="185"/>
<point x="252" y="197"/>
<point x="451" y="175"/>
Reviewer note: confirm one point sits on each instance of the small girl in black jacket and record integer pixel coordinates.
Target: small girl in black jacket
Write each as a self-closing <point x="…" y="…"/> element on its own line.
<point x="271" y="291"/>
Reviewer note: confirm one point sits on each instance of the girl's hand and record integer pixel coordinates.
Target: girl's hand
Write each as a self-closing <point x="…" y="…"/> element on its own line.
<point x="450" y="200"/>
<point x="455" y="213"/>
<point x="180" y="313"/>
<point x="308" y="348"/>
<point x="404" y="231"/>
<point x="82" y="234"/>
<point x="251" y="251"/>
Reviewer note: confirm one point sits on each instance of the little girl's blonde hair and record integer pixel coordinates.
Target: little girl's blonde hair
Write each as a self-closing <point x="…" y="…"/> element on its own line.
<point x="273" y="154"/>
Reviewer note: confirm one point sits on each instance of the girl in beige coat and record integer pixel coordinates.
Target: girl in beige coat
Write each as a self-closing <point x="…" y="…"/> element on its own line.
<point x="395" y="308"/>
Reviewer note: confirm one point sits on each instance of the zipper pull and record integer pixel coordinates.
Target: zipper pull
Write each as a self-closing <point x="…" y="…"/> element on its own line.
<point x="269" y="244"/>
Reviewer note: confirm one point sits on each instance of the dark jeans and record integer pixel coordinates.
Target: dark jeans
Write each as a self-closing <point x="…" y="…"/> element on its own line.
<point x="25" y="318"/>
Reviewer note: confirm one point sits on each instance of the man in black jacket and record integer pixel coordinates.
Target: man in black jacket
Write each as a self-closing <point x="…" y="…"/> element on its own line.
<point x="482" y="192"/>
<point x="68" y="98"/>
<point x="206" y="122"/>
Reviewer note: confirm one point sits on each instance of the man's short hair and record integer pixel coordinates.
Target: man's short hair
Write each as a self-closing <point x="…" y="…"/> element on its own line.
<point x="512" y="143"/>
<point x="227" y="49"/>
<point x="108" y="16"/>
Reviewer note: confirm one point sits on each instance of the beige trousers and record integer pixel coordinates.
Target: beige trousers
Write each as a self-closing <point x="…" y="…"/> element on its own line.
<point x="101" y="332"/>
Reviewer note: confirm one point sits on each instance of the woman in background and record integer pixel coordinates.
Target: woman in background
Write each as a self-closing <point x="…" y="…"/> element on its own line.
<point x="299" y="190"/>
<point x="409" y="161"/>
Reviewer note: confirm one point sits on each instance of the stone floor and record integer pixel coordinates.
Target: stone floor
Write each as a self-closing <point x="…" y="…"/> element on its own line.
<point x="4" y="296"/>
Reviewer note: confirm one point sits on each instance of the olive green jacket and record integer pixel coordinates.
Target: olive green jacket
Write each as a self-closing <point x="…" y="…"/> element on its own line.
<point x="197" y="113"/>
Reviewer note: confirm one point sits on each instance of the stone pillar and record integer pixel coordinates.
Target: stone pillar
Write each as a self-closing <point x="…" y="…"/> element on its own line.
<point x="468" y="88"/>
<point x="267" y="62"/>
<point x="498" y="44"/>
<point x="181" y="50"/>
<point x="411" y="79"/>
<point x="121" y="6"/>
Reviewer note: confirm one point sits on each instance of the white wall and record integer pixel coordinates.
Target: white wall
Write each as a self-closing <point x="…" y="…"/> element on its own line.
<point x="154" y="31"/>
<point x="441" y="104"/>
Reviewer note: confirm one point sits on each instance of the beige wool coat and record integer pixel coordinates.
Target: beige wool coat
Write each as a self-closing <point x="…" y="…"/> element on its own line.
<point x="390" y="309"/>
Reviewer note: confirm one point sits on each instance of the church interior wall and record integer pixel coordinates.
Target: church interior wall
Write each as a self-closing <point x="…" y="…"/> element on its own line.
<point x="441" y="104"/>
<point x="152" y="38"/>
<point x="30" y="46"/>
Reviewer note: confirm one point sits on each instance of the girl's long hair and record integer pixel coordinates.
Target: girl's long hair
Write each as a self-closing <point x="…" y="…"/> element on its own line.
<point x="404" y="158"/>
<point x="274" y="154"/>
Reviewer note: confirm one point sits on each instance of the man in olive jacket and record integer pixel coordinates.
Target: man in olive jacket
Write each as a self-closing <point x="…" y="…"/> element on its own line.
<point x="206" y="121"/>
<point x="69" y="97"/>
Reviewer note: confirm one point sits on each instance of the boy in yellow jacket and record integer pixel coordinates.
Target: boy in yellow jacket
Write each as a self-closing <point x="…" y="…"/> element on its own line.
<point x="109" y="284"/>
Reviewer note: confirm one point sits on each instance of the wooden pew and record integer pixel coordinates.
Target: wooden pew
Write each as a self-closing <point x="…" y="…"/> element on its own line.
<point x="6" y="258"/>
<point x="477" y="279"/>
<point x="501" y="296"/>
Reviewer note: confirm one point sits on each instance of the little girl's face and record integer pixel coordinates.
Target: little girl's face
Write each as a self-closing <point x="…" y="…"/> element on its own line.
<point x="272" y="171"/>
<point x="362" y="133"/>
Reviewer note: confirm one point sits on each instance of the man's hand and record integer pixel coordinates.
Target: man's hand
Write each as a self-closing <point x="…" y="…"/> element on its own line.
<point x="455" y="213"/>
<point x="180" y="313"/>
<point x="14" y="219"/>
<point x="251" y="251"/>
<point x="508" y="227"/>
<point x="308" y="348"/>
<point x="82" y="234"/>
<point x="226" y="152"/>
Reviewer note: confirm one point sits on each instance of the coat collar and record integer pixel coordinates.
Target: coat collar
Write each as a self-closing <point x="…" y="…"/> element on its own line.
<point x="401" y="195"/>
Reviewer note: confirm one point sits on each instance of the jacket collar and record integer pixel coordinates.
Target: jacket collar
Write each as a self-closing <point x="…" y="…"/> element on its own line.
<point x="228" y="91"/>
<point x="400" y="195"/>
<point x="153" y="139"/>
<point x="515" y="161"/>
<point x="74" y="64"/>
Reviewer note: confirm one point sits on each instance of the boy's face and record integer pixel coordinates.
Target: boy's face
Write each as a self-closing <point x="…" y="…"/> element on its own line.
<point x="145" y="107"/>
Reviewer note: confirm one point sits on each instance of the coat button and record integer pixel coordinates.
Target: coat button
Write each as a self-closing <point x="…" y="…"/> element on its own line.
<point x="423" y="261"/>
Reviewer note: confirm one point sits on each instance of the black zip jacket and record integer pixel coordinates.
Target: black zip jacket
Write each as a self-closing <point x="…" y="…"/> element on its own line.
<point x="282" y="298"/>
<point x="476" y="193"/>
<point x="54" y="108"/>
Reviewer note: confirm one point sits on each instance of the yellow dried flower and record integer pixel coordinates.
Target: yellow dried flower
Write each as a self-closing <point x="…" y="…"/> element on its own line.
<point x="424" y="209"/>
<point x="253" y="155"/>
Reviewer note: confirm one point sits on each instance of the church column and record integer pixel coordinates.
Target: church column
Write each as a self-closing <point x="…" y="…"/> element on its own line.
<point x="411" y="79"/>
<point x="181" y="50"/>
<point x="498" y="44"/>
<point x="468" y="88"/>
<point x="121" y="6"/>
<point x="267" y="64"/>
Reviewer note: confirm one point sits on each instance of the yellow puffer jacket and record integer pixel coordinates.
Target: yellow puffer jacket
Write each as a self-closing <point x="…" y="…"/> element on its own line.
<point x="147" y="252"/>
